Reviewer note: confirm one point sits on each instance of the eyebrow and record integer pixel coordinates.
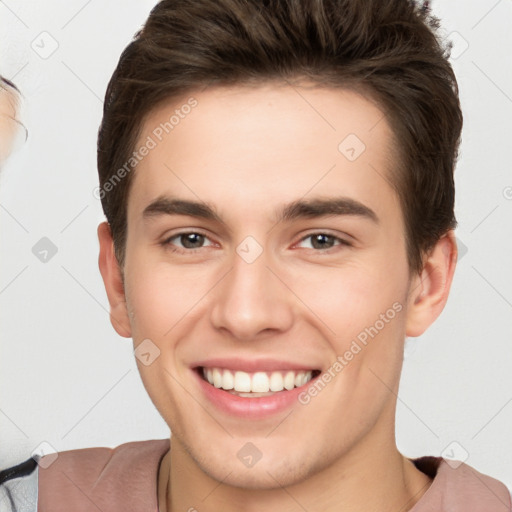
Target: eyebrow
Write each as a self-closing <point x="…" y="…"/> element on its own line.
<point x="299" y="209"/>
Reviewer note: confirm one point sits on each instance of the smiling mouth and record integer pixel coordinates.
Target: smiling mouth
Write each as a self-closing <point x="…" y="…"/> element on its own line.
<point x="256" y="384"/>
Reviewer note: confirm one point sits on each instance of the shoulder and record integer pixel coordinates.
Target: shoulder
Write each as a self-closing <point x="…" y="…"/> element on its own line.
<point x="101" y="457"/>
<point x="83" y="475"/>
<point x="125" y="476"/>
<point x="458" y="487"/>
<point x="18" y="487"/>
<point x="88" y="466"/>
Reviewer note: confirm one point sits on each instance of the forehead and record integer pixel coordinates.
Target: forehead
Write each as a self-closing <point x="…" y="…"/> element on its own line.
<point x="254" y="147"/>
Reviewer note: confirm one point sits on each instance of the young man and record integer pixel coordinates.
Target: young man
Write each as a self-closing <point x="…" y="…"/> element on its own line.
<point x="278" y="183"/>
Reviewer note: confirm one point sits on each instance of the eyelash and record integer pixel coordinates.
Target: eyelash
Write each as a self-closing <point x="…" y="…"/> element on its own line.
<point x="167" y="242"/>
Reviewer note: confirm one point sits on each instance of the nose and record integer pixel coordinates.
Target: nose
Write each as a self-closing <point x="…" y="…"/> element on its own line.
<point x="252" y="300"/>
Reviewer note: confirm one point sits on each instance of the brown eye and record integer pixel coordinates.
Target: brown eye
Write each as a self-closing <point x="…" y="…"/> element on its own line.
<point x="185" y="242"/>
<point x="324" y="241"/>
<point x="191" y="240"/>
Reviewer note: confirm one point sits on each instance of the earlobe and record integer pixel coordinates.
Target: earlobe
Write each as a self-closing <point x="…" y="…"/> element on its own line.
<point x="111" y="274"/>
<point x="429" y="291"/>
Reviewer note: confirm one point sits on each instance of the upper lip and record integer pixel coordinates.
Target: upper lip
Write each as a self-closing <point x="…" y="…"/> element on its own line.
<point x="253" y="365"/>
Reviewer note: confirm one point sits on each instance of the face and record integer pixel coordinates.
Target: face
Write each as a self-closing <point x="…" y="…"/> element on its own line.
<point x="265" y="251"/>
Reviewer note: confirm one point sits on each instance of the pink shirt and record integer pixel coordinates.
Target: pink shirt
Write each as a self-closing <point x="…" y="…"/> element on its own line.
<point x="125" y="479"/>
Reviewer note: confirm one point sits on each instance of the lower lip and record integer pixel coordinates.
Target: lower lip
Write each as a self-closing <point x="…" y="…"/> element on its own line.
<point x="253" y="408"/>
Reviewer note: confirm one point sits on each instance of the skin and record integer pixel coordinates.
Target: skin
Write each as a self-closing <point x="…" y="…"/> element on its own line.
<point x="247" y="152"/>
<point x="9" y="126"/>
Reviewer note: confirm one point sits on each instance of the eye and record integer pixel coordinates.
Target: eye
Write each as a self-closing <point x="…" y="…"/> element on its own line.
<point x="189" y="240"/>
<point x="324" y="241"/>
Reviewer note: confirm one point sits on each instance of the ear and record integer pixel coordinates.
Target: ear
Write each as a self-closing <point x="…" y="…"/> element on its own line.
<point x="428" y="291"/>
<point x="111" y="274"/>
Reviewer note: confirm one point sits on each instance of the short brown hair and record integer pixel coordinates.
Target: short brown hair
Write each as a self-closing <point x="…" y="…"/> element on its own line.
<point x="388" y="49"/>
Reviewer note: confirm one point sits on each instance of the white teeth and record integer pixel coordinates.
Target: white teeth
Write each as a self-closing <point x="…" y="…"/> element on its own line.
<point x="228" y="381"/>
<point x="276" y="382"/>
<point x="217" y="378"/>
<point x="289" y="381"/>
<point x="242" y="381"/>
<point x="258" y="382"/>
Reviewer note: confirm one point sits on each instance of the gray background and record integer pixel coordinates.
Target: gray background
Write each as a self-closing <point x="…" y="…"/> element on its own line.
<point x="67" y="379"/>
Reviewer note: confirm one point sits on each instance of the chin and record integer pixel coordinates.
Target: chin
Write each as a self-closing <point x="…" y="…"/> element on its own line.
<point x="264" y="475"/>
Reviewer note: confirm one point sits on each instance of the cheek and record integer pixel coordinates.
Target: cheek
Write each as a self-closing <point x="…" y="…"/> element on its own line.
<point x="162" y="305"/>
<point x="352" y="297"/>
<point x="361" y="310"/>
<point x="161" y="296"/>
<point x="363" y="320"/>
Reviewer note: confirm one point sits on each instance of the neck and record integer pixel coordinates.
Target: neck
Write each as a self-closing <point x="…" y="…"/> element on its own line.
<point x="357" y="481"/>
